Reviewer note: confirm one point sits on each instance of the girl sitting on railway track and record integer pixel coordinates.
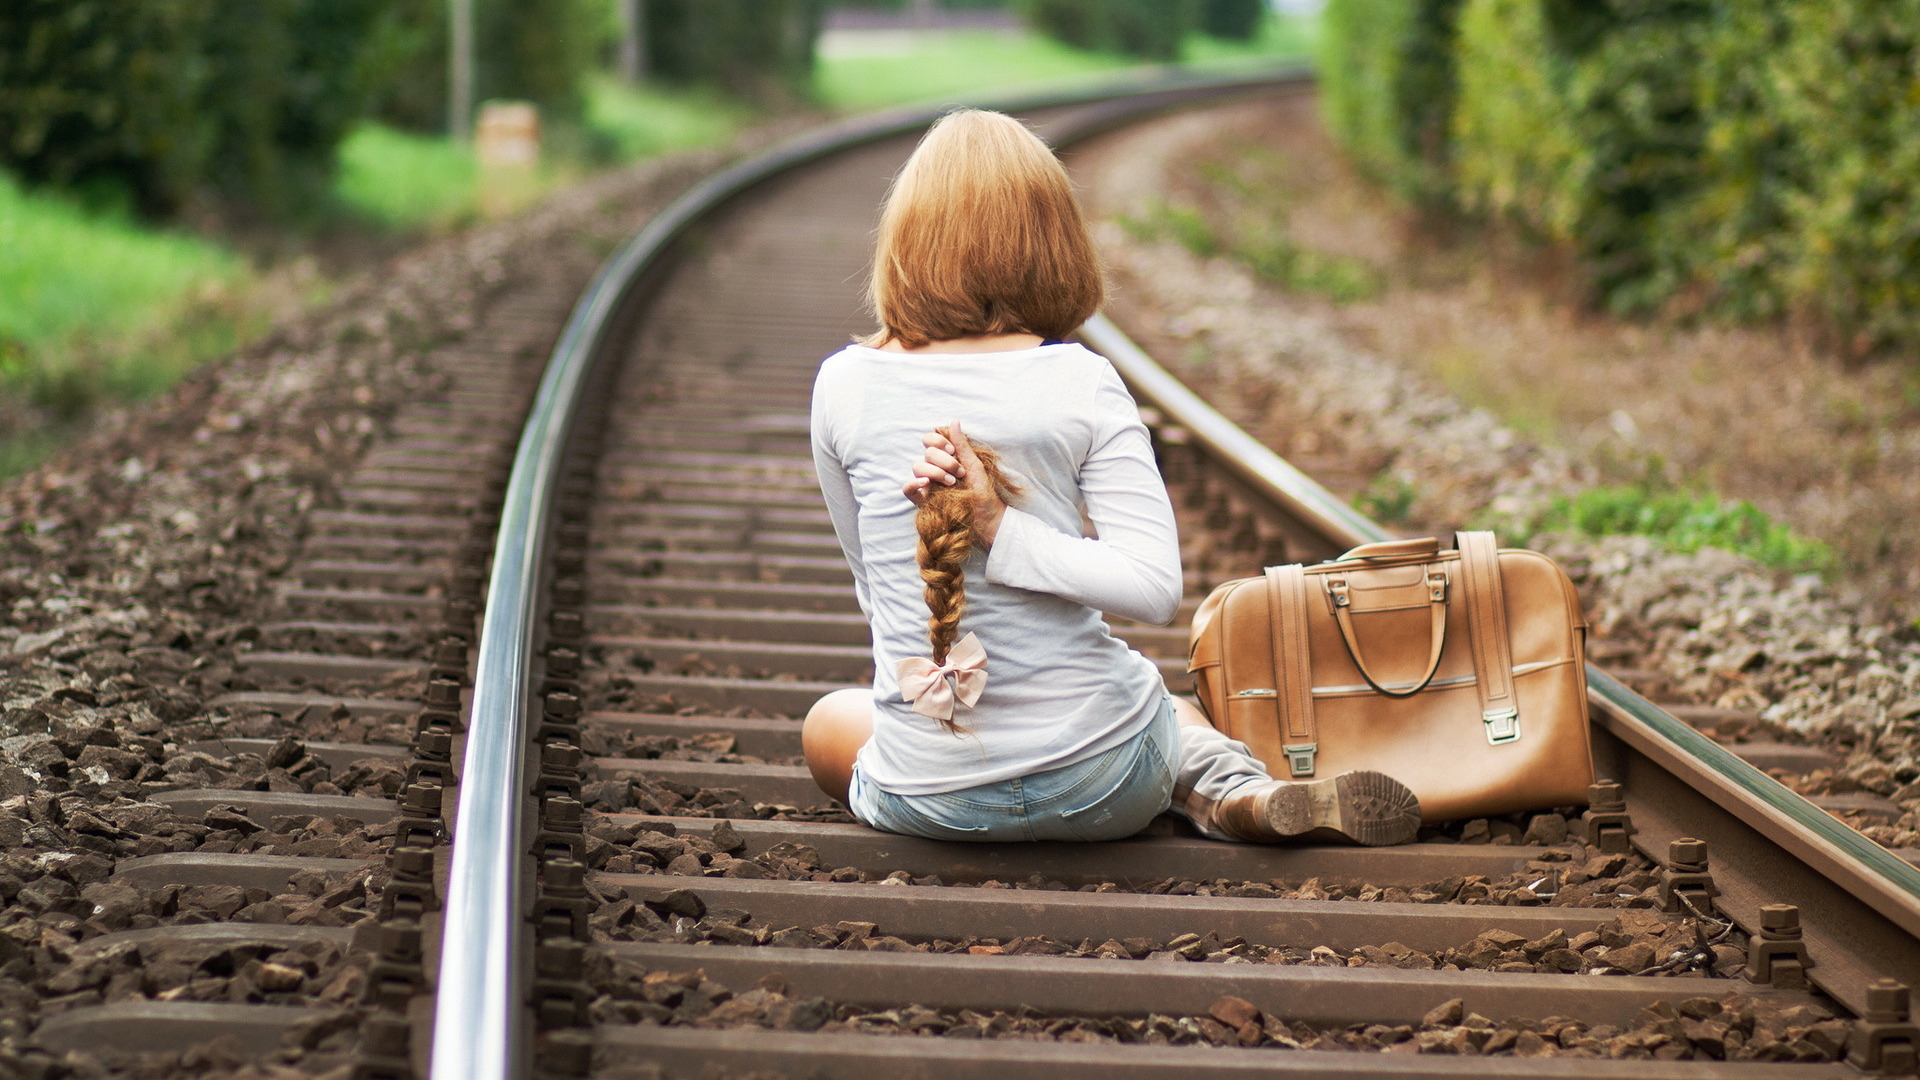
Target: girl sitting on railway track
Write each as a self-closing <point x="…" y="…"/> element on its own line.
<point x="1003" y="708"/>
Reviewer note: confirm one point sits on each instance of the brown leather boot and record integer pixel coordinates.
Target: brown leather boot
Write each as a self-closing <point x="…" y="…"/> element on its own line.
<point x="1367" y="808"/>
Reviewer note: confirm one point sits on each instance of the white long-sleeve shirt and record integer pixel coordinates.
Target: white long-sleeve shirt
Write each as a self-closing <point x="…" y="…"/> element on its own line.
<point x="1060" y="686"/>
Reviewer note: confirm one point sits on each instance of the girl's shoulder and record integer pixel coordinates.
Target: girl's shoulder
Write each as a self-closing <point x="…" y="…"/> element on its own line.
<point x="1057" y="364"/>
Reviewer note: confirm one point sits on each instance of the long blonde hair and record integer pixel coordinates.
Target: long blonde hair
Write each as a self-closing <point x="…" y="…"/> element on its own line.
<point x="981" y="234"/>
<point x="945" y="524"/>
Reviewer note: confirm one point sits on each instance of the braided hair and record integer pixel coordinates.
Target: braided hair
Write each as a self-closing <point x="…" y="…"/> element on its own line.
<point x="945" y="524"/>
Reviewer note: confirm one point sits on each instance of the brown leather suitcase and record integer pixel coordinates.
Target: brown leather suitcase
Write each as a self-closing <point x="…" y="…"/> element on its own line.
<point x="1461" y="673"/>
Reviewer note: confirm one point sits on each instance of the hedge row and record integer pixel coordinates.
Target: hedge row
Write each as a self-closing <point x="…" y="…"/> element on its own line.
<point x="524" y="50"/>
<point x="164" y="99"/>
<point x="1386" y="85"/>
<point x="753" y="47"/>
<point x="1758" y="160"/>
<point x="160" y="98"/>
<point x="1149" y="29"/>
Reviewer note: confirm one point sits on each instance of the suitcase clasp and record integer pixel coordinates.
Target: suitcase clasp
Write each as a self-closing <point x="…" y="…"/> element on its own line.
<point x="1503" y="725"/>
<point x="1300" y="758"/>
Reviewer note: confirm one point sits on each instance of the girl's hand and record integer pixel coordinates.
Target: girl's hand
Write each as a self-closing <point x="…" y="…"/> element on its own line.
<point x="939" y="464"/>
<point x="948" y="460"/>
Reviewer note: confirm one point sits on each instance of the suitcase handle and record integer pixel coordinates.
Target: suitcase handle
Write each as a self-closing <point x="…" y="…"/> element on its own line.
<point x="1393" y="549"/>
<point x="1336" y="586"/>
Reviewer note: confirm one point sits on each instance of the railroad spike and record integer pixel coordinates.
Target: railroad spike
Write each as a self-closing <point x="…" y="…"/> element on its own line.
<point x="1777" y="955"/>
<point x="560" y="1005"/>
<point x="563" y="662"/>
<point x="432" y="756"/>
<point x="449" y="662"/>
<point x="443" y="695"/>
<point x="559" y="718"/>
<point x="410" y="891"/>
<point x="562" y="904"/>
<point x="565" y="1054"/>
<point x="1686" y="885"/>
<point x="569" y="592"/>
<point x="1609" y="826"/>
<point x="460" y="613"/>
<point x="386" y="1048"/>
<point x="420" y="823"/>
<point x="562" y="832"/>
<point x="397" y="972"/>
<point x="565" y="627"/>
<point x="559" y="770"/>
<point x="1886" y="1041"/>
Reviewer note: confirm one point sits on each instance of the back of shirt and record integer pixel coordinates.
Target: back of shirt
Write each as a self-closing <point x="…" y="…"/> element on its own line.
<point x="1060" y="687"/>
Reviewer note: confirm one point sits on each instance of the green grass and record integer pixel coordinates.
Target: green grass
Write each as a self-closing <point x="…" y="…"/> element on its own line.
<point x="85" y="296"/>
<point x="1263" y="246"/>
<point x="1388" y="499"/>
<point x="642" y="122"/>
<point x="928" y="65"/>
<point x="1686" y="521"/>
<point x="403" y="181"/>
<point x="65" y="271"/>
<point x="399" y="180"/>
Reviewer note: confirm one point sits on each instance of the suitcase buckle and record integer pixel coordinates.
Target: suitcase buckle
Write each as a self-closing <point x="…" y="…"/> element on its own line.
<point x="1437" y="584"/>
<point x="1503" y="725"/>
<point x="1300" y="758"/>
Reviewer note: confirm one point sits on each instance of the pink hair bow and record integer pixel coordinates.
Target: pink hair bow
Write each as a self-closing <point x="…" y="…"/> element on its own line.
<point x="933" y="687"/>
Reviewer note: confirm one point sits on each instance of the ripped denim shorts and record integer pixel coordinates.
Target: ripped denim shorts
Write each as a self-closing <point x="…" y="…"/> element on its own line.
<point x="1106" y="797"/>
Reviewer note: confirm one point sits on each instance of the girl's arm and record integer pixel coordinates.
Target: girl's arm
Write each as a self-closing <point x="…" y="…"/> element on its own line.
<point x="1133" y="568"/>
<point x="837" y="486"/>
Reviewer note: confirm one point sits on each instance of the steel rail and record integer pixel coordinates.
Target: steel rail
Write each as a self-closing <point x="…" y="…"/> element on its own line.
<point x="479" y="1032"/>
<point x="1870" y="873"/>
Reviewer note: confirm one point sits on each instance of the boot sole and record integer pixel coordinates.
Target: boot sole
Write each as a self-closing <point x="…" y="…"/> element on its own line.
<point x="1367" y="808"/>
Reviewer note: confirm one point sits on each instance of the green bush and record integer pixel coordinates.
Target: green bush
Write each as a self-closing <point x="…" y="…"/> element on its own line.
<point x="1812" y="206"/>
<point x="1149" y="29"/>
<point x="105" y="96"/>
<point x="1582" y="121"/>
<point x="1517" y="151"/>
<point x="1387" y="86"/>
<point x="1687" y="522"/>
<point x="1754" y="160"/>
<point x="1233" y="20"/>
<point x="753" y="47"/>
<point x="525" y="50"/>
<point x="148" y="102"/>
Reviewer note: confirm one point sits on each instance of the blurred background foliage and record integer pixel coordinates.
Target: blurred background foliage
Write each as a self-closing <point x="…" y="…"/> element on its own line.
<point x="1748" y="160"/>
<point x="175" y="175"/>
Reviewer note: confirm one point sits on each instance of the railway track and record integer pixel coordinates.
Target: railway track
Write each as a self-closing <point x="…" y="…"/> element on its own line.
<point x="617" y="621"/>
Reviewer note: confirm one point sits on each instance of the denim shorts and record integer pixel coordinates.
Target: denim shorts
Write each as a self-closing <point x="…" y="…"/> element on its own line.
<point x="1108" y="796"/>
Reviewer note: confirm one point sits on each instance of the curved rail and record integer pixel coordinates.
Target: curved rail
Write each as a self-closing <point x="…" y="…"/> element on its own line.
<point x="478" y="1032"/>
<point x="477" y="1029"/>
<point x="1864" y="870"/>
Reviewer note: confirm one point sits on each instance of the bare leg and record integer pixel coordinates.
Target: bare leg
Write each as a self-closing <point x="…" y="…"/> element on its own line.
<point x="1187" y="714"/>
<point x="836" y="728"/>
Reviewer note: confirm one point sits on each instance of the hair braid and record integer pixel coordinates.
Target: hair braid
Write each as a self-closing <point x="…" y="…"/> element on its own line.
<point x="945" y="524"/>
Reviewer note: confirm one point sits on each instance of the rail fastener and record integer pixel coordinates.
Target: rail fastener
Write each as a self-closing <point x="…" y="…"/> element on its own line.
<point x="1885" y="1040"/>
<point x="1609" y="826"/>
<point x="1778" y="955"/>
<point x="1686" y="884"/>
<point x="386" y="1048"/>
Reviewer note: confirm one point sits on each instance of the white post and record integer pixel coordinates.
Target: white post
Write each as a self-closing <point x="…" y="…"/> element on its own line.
<point x="633" y="41"/>
<point x="460" y="70"/>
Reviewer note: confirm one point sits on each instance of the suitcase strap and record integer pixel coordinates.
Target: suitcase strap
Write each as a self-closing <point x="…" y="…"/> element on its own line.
<point x="1337" y="593"/>
<point x="1487" y="628"/>
<point x="1292" y="667"/>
